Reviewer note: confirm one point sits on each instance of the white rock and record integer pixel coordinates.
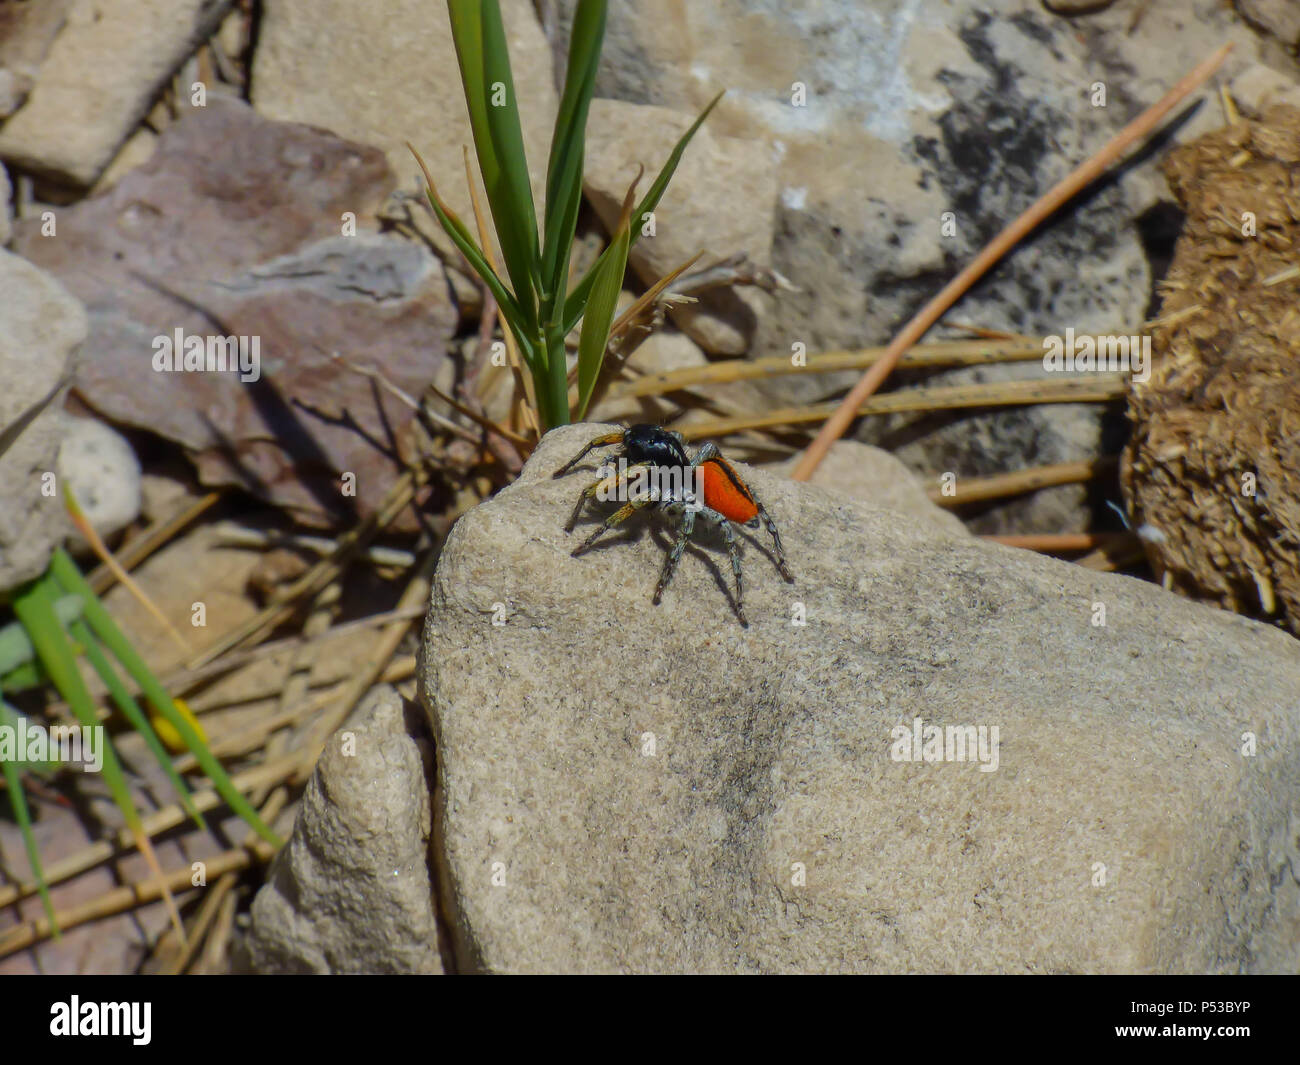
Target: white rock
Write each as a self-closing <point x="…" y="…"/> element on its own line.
<point x="100" y="466"/>
<point x="1259" y="87"/>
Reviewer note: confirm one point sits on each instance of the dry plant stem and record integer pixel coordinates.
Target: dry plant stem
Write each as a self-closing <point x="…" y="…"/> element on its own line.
<point x="479" y="419"/>
<point x="942" y="355"/>
<point x="385" y="647"/>
<point x="252" y="737"/>
<point x="1077" y="180"/>
<point x="398" y="497"/>
<point x="440" y="420"/>
<point x="1052" y="543"/>
<point x="220" y="900"/>
<point x="218" y="944"/>
<point x="1113" y="556"/>
<point x="984" y="333"/>
<point x="185" y="680"/>
<point x="149" y="541"/>
<point x="1002" y="485"/>
<point x="128" y="897"/>
<point x="229" y="534"/>
<point x="1101" y="388"/>
<point x="323" y="691"/>
<point x="106" y="557"/>
<point x="287" y="769"/>
<point x="212" y="901"/>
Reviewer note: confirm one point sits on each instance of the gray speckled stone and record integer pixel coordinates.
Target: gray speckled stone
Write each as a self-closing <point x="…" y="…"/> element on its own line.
<point x="625" y="787"/>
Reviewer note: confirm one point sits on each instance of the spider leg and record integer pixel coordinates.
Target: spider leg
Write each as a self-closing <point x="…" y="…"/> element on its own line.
<point x="674" y="556"/>
<point x="729" y="534"/>
<point x="607" y="484"/>
<point x="617" y="518"/>
<point x="600" y="441"/>
<point x="710" y="451"/>
<point x="770" y="525"/>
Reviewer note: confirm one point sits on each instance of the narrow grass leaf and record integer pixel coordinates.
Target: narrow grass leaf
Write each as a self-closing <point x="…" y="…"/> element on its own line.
<point x="103" y="626"/>
<point x="484" y="58"/>
<point x="13" y="782"/>
<point x="601" y="305"/>
<point x="130" y="709"/>
<point x="461" y="237"/>
<point x="574" y="304"/>
<point x="34" y="607"/>
<point x="568" y="149"/>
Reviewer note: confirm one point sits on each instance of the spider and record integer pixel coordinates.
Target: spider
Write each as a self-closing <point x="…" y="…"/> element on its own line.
<point x="678" y="482"/>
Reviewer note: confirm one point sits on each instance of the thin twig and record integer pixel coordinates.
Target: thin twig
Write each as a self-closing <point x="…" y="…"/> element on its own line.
<point x="1078" y="179"/>
<point x="1100" y="388"/>
<point x="1062" y="543"/>
<point x="941" y="355"/>
<point x="131" y="554"/>
<point x="1002" y="485"/>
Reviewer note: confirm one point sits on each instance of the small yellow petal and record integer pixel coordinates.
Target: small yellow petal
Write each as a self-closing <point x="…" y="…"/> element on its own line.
<point x="167" y="731"/>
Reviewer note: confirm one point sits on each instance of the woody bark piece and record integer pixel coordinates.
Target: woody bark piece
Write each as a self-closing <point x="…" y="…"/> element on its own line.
<point x="1212" y="472"/>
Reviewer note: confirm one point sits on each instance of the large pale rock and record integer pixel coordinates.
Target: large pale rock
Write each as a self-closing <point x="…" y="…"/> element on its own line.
<point x="99" y="79"/>
<point x="41" y="328"/>
<point x="625" y="787"/>
<point x="384" y="72"/>
<point x="26" y="33"/>
<point x="877" y="477"/>
<point x="351" y="892"/>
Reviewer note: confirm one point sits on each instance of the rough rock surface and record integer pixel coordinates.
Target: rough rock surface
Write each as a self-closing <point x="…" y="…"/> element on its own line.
<point x="1278" y="17"/>
<point x="877" y="477"/>
<point x="41" y="328"/>
<point x="384" y="72"/>
<point x="351" y="892"/>
<point x="26" y="33"/>
<point x="99" y="79"/>
<point x="625" y="787"/>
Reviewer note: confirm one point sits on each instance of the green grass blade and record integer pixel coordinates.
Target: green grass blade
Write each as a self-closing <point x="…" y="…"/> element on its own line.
<point x="461" y="237"/>
<point x="484" y="57"/>
<point x="130" y="709"/>
<point x="13" y="781"/>
<point x="102" y="625"/>
<point x="22" y="678"/>
<point x="568" y="150"/>
<point x="601" y="304"/>
<point x="34" y="607"/>
<point x="574" y="304"/>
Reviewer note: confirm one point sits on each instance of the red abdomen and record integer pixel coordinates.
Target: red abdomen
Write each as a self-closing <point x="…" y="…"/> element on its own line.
<point x="725" y="492"/>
